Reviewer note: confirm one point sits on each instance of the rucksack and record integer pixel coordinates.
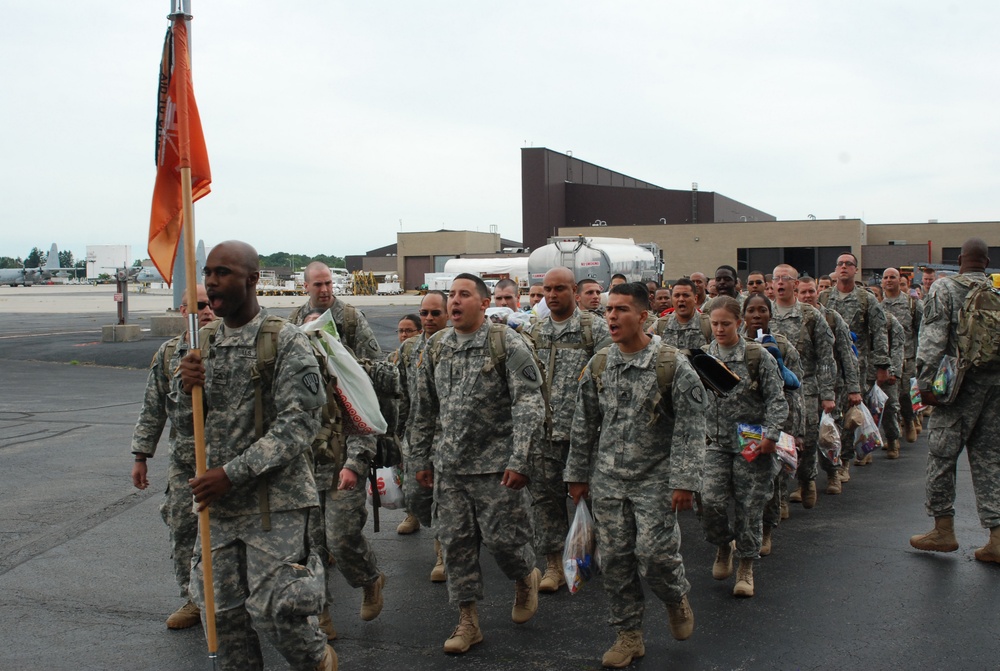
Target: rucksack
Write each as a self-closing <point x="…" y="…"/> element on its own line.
<point x="705" y="324"/>
<point x="866" y="300"/>
<point x="978" y="328"/>
<point x="587" y="343"/>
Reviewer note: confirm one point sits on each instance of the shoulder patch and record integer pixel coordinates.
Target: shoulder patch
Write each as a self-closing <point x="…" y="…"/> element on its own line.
<point x="311" y="381"/>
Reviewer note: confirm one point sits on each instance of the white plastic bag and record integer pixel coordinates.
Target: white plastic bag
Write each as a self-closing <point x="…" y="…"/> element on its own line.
<point x="390" y="488"/>
<point x="362" y="415"/>
<point x="829" y="439"/>
<point x="580" y="559"/>
<point x="876" y="399"/>
<point x="867" y="438"/>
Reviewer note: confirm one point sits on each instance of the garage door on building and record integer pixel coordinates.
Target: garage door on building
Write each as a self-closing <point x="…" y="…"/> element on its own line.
<point x="415" y="267"/>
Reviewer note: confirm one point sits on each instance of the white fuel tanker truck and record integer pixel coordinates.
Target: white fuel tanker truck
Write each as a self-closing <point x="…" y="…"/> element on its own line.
<point x="598" y="258"/>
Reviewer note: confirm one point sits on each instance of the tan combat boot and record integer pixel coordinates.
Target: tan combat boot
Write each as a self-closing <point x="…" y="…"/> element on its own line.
<point x="627" y="647"/>
<point x="526" y="597"/>
<point x="784" y="511"/>
<point x="939" y="539"/>
<point x="329" y="661"/>
<point x="796" y="496"/>
<point x="918" y="424"/>
<point x="184" y="617"/>
<point x="326" y="624"/>
<point x="744" y="578"/>
<point x="809" y="494"/>
<point x="371" y="602"/>
<point x="681" y="619"/>
<point x="845" y="472"/>
<point x="438" y="573"/>
<point x="911" y="431"/>
<point x="833" y="486"/>
<point x="893" y="452"/>
<point x="409" y="525"/>
<point x="765" y="546"/>
<point x="467" y="633"/>
<point x="723" y="566"/>
<point x="554" y="576"/>
<point x="990" y="551"/>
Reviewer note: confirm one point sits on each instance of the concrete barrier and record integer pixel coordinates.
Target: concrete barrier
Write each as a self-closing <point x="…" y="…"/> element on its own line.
<point x="121" y="333"/>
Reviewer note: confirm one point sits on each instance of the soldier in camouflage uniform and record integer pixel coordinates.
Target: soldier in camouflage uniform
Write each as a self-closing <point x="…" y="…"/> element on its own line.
<point x="476" y="423"/>
<point x="685" y="327"/>
<point x="889" y="421"/>
<point x="639" y="453"/>
<point x="564" y="342"/>
<point x="809" y="332"/>
<point x="729" y="477"/>
<point x="157" y="407"/>
<point x="757" y="318"/>
<point x="352" y="326"/>
<point x="588" y="296"/>
<point x="910" y="312"/>
<point x="419" y="499"/>
<point x="865" y="318"/>
<point x="971" y="421"/>
<point x="846" y="385"/>
<point x="260" y="489"/>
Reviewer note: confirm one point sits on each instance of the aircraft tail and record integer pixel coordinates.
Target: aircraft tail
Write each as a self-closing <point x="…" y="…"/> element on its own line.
<point x="52" y="260"/>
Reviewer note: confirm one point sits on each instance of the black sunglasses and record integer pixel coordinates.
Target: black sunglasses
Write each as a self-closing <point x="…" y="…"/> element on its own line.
<point x="433" y="313"/>
<point x="201" y="305"/>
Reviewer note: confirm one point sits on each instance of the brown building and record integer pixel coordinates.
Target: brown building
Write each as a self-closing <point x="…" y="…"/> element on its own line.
<point x="559" y="191"/>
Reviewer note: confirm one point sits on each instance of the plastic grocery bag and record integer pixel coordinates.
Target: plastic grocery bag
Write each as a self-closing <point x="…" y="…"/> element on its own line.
<point x="390" y="488"/>
<point x="947" y="380"/>
<point x="867" y="438"/>
<point x="915" y="399"/>
<point x="357" y="395"/>
<point x="748" y="438"/>
<point x="580" y="558"/>
<point x="876" y="400"/>
<point x="787" y="453"/>
<point x="829" y="439"/>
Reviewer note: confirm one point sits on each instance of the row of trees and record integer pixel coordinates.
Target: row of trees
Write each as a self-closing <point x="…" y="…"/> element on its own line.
<point x="296" y="261"/>
<point x="36" y="259"/>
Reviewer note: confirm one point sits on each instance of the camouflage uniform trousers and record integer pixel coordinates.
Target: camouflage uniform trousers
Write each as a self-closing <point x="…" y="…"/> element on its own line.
<point x="266" y="582"/>
<point x="549" y="516"/>
<point x="638" y="535"/>
<point x="474" y="510"/>
<point x="780" y="492"/>
<point x="344" y="516"/>
<point x="972" y="422"/>
<point x="749" y="484"/>
<point x="419" y="499"/>
<point x="890" y="414"/>
<point x="809" y="456"/>
<point x="905" y="403"/>
<point x="178" y="514"/>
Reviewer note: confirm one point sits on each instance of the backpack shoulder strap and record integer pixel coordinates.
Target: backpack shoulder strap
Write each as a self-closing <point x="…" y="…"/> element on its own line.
<point x="587" y="329"/>
<point x="597" y="365"/>
<point x="824" y="297"/>
<point x="706" y="326"/>
<point x="666" y="366"/>
<point x="753" y="354"/>
<point x="498" y="349"/>
<point x="351" y="325"/>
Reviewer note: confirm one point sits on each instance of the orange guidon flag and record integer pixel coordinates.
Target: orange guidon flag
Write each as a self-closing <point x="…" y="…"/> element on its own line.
<point x="179" y="143"/>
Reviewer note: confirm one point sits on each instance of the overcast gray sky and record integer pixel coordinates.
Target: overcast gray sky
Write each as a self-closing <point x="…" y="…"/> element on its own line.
<point x="328" y="122"/>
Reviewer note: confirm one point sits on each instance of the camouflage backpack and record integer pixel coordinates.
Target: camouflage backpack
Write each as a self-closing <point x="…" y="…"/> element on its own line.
<point x="978" y="328"/>
<point x="666" y="367"/>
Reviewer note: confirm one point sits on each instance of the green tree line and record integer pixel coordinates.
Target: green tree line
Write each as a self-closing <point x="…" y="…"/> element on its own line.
<point x="297" y="261"/>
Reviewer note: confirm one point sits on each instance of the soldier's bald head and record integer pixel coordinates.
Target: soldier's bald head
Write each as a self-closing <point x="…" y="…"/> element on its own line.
<point x="559" y="274"/>
<point x="241" y="252"/>
<point x="976" y="252"/>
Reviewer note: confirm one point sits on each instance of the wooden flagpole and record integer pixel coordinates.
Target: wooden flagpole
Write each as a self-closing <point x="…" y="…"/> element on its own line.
<point x="180" y="11"/>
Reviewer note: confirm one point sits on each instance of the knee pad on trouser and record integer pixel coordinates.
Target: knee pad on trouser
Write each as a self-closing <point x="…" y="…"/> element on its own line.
<point x="298" y="590"/>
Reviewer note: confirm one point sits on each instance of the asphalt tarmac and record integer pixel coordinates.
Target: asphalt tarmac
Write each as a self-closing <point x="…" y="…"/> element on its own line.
<point x="86" y="580"/>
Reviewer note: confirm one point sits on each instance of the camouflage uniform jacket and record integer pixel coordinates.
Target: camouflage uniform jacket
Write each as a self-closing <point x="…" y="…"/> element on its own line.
<point x="806" y="328"/>
<point x="681" y="336"/>
<point x="158" y="405"/>
<point x="468" y="418"/>
<point x="407" y="359"/>
<point x="867" y="323"/>
<point x="564" y="365"/>
<point x="759" y="401"/>
<point x="626" y="431"/>
<point x="938" y="333"/>
<point x="846" y="376"/>
<point x="363" y="344"/>
<point x="897" y="346"/>
<point x="910" y="312"/>
<point x="291" y="405"/>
